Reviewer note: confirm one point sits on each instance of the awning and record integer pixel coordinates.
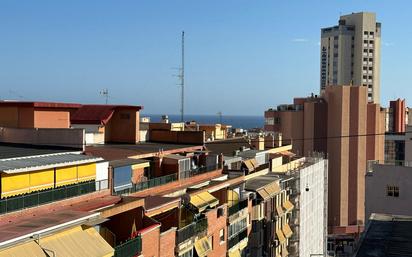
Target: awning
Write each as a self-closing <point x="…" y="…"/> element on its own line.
<point x="203" y="200"/>
<point x="77" y="242"/>
<point x="280" y="236"/>
<point x="285" y="252"/>
<point x="141" y="165"/>
<point x="203" y="247"/>
<point x="273" y="189"/>
<point x="288" y="205"/>
<point x="287" y="231"/>
<point x="249" y="165"/>
<point x="243" y="244"/>
<point x="263" y="193"/>
<point x="279" y="210"/>
<point x="288" y="154"/>
<point x="235" y="253"/>
<point x="31" y="249"/>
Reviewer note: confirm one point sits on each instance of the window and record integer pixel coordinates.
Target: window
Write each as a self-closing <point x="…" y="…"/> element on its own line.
<point x="187" y="254"/>
<point x="277" y="120"/>
<point x="125" y="116"/>
<point x="222" y="236"/>
<point x="210" y="239"/>
<point x="392" y="191"/>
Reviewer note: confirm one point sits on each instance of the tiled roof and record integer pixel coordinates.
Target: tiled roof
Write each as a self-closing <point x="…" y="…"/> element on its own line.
<point x="45" y="162"/>
<point x="97" y="114"/>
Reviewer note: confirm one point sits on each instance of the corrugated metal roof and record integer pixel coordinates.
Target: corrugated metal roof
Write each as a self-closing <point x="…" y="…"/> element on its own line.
<point x="8" y="151"/>
<point x="45" y="162"/>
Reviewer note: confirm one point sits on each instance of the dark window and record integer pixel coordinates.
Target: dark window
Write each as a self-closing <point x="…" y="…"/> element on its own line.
<point x="125" y="116"/>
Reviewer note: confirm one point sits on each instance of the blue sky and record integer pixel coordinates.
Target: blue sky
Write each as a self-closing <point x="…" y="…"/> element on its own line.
<point x="241" y="56"/>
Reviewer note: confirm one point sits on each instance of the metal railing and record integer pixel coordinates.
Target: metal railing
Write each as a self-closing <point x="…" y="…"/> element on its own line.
<point x="159" y="181"/>
<point x="191" y="230"/>
<point x="198" y="171"/>
<point x="20" y="202"/>
<point x="236" y="239"/>
<point x="129" y="248"/>
<point x="238" y="206"/>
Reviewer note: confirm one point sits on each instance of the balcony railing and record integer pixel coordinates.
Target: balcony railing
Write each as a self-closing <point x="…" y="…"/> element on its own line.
<point x="159" y="181"/>
<point x="191" y="230"/>
<point x="129" y="248"/>
<point x="236" y="239"/>
<point x="37" y="198"/>
<point x="198" y="171"/>
<point x="238" y="206"/>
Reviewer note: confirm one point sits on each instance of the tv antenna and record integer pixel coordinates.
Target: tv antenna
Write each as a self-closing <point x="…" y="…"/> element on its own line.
<point x="220" y="116"/>
<point x="105" y="94"/>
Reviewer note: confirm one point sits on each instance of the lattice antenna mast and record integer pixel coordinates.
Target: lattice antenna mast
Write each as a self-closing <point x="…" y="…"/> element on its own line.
<point x="182" y="80"/>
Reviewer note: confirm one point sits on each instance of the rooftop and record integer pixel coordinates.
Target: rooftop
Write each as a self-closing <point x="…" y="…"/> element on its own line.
<point x="140" y="150"/>
<point x="8" y="151"/>
<point x="38" y="104"/>
<point x="260" y="182"/>
<point x="228" y="147"/>
<point x="386" y="236"/>
<point x="25" y="164"/>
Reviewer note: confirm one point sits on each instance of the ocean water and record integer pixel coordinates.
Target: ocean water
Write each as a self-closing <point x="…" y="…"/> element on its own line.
<point x="245" y="122"/>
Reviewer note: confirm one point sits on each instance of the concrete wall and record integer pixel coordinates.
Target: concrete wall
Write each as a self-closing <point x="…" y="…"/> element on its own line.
<point x="123" y="127"/>
<point x="72" y="138"/>
<point x="55" y="118"/>
<point x="377" y="200"/>
<point x="177" y="137"/>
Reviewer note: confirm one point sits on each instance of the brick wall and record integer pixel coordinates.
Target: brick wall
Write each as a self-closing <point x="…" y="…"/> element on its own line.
<point x="215" y="224"/>
<point x="151" y="243"/>
<point x="168" y="241"/>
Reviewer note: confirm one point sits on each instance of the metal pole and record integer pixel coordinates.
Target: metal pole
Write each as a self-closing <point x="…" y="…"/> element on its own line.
<point x="182" y="79"/>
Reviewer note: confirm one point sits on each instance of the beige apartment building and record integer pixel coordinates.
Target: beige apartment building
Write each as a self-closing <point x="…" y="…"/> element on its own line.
<point x="350" y="53"/>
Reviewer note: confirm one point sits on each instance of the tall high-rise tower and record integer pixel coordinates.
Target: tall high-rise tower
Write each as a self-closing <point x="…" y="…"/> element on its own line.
<point x="350" y="53"/>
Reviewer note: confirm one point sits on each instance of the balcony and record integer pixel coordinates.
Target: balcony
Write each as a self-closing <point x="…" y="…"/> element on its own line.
<point x="130" y="248"/>
<point x="191" y="230"/>
<point x="199" y="171"/>
<point x="37" y="198"/>
<point x="238" y="206"/>
<point x="159" y="181"/>
<point x="236" y="239"/>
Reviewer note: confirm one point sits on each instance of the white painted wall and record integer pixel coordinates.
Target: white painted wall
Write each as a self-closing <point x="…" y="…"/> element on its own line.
<point x="376" y="198"/>
<point x="313" y="215"/>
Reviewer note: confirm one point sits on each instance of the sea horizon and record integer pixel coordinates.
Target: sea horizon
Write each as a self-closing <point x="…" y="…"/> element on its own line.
<point x="236" y="121"/>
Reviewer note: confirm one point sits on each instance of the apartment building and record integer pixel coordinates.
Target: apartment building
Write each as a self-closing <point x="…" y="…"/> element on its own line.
<point x="350" y="130"/>
<point x="350" y="53"/>
<point x="388" y="188"/>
